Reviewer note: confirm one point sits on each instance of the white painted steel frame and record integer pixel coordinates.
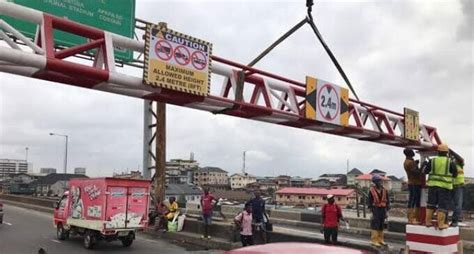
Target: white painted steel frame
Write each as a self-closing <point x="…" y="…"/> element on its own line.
<point x="274" y="100"/>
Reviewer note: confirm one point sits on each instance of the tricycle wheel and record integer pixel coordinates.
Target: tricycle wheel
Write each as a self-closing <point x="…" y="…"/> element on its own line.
<point x="61" y="233"/>
<point x="128" y="240"/>
<point x="89" y="239"/>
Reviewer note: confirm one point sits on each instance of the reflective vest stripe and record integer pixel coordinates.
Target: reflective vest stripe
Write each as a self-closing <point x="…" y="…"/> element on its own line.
<point x="379" y="201"/>
<point x="440" y="175"/>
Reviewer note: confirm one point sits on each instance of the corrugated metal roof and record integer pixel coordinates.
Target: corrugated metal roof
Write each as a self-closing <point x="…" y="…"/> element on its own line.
<point x="315" y="191"/>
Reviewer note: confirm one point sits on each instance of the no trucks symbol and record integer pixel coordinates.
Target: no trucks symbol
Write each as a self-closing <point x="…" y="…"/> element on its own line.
<point x="163" y="50"/>
<point x="199" y="60"/>
<point x="328" y="102"/>
<point x="181" y="55"/>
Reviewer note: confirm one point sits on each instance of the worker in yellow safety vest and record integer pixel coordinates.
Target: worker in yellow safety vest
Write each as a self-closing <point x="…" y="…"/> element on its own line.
<point x="379" y="204"/>
<point x="441" y="170"/>
<point x="458" y="190"/>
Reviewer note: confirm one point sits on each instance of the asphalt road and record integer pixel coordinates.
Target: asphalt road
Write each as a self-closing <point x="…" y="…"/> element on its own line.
<point x="25" y="231"/>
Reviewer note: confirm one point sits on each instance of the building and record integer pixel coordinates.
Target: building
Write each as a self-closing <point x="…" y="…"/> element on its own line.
<point x="21" y="183"/>
<point x="282" y="181"/>
<point x="300" y="182"/>
<point x="54" y="184"/>
<point x="351" y="176"/>
<point x="180" y="171"/>
<point x="240" y="180"/>
<point x="183" y="192"/>
<point x="314" y="196"/>
<point x="48" y="171"/>
<point x="378" y="172"/>
<point x="335" y="179"/>
<point x="321" y="183"/>
<point x="365" y="181"/>
<point x="80" y="171"/>
<point x="211" y="176"/>
<point x="132" y="175"/>
<point x="397" y="184"/>
<point x="9" y="166"/>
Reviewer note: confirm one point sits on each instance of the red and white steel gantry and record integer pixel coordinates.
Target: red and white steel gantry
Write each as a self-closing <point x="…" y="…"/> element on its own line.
<point x="274" y="99"/>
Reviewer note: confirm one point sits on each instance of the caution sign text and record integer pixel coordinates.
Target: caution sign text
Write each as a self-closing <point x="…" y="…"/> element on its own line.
<point x="176" y="61"/>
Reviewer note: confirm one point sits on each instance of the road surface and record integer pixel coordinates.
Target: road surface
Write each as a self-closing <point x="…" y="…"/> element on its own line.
<point x="25" y="231"/>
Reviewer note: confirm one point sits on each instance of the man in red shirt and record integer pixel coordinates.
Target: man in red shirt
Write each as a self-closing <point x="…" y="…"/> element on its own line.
<point x="207" y="205"/>
<point x="331" y="214"/>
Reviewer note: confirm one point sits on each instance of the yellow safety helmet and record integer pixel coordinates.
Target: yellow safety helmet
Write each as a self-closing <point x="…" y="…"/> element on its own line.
<point x="443" y="148"/>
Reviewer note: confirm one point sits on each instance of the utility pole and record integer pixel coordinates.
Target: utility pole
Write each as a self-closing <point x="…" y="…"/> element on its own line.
<point x="243" y="166"/>
<point x="26" y="156"/>
<point x="160" y="149"/>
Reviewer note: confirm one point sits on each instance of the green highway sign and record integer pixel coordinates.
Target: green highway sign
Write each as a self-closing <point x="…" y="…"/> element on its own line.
<point x="116" y="16"/>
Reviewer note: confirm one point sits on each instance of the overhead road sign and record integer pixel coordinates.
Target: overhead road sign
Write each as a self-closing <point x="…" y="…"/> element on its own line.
<point x="412" y="124"/>
<point x="176" y="61"/>
<point x="115" y="16"/>
<point x="326" y="102"/>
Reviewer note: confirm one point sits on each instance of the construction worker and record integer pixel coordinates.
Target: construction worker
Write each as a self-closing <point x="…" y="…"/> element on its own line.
<point x="458" y="191"/>
<point x="415" y="180"/>
<point x="379" y="203"/>
<point x="441" y="171"/>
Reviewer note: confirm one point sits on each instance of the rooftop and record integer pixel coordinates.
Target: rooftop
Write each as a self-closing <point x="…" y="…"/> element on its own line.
<point x="182" y="189"/>
<point x="53" y="178"/>
<point x="355" y="171"/>
<point x="369" y="177"/>
<point x="213" y="169"/>
<point x="315" y="191"/>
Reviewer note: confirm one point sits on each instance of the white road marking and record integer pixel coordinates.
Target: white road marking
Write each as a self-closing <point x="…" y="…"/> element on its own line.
<point x="56" y="241"/>
<point x="7" y="223"/>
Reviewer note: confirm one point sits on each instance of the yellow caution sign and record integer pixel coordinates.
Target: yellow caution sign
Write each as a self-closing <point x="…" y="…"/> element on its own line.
<point x="412" y="124"/>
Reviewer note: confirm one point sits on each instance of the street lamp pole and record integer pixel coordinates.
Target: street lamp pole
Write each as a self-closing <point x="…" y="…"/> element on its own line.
<point x="26" y="151"/>
<point x="65" y="154"/>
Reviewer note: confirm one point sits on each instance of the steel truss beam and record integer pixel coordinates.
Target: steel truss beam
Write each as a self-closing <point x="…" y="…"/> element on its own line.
<point x="272" y="98"/>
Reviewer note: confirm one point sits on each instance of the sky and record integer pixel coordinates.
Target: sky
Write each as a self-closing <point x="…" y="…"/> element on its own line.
<point x="416" y="54"/>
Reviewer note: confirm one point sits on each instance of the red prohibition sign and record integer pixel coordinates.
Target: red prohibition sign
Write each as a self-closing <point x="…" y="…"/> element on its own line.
<point x="199" y="60"/>
<point x="182" y="55"/>
<point x="163" y="50"/>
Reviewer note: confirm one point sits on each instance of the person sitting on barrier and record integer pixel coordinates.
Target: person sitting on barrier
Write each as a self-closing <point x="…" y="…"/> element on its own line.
<point x="172" y="209"/>
<point x="331" y="213"/>
<point x="244" y="221"/>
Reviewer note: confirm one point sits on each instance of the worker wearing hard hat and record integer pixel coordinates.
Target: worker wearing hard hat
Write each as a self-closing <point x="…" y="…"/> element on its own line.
<point x="415" y="180"/>
<point x="441" y="171"/>
<point x="379" y="203"/>
<point x="458" y="190"/>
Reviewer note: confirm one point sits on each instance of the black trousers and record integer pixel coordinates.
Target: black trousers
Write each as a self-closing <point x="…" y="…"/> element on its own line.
<point x="246" y="240"/>
<point x="330" y="234"/>
<point x="439" y="198"/>
<point x="378" y="218"/>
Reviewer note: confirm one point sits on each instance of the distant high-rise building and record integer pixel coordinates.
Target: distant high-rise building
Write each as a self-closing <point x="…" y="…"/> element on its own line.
<point x="47" y="171"/>
<point x="9" y="166"/>
<point x="80" y="171"/>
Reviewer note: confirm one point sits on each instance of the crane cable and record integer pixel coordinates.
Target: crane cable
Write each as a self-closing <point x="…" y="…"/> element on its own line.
<point x="309" y="4"/>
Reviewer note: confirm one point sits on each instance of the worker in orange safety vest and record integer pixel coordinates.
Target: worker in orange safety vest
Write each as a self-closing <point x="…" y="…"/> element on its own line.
<point x="379" y="203"/>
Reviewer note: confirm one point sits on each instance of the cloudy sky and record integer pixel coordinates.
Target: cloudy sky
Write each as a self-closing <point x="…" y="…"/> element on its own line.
<point x="396" y="53"/>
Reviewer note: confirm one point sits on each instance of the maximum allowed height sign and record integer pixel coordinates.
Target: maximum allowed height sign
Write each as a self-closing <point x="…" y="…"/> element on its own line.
<point x="177" y="61"/>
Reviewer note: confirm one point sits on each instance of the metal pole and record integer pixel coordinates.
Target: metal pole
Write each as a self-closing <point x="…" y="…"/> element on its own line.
<point x="160" y="151"/>
<point x="65" y="156"/>
<point x="357" y="200"/>
<point x="26" y="157"/>
<point x="147" y="134"/>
